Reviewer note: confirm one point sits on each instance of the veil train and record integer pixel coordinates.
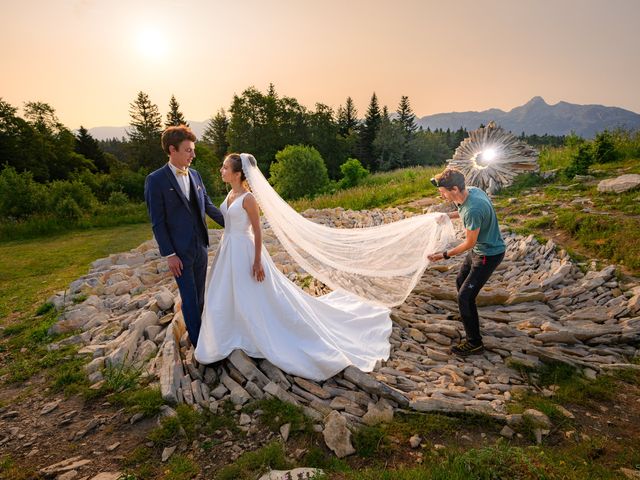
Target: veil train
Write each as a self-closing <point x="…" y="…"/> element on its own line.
<point x="380" y="264"/>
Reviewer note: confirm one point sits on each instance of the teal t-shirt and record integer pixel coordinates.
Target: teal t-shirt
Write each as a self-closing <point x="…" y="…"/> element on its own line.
<point x="477" y="212"/>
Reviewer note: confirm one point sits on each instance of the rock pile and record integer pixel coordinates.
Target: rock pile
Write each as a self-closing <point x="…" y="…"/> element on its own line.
<point x="537" y="307"/>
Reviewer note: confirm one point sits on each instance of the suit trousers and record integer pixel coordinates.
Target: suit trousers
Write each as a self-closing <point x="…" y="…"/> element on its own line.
<point x="473" y="274"/>
<point x="192" y="285"/>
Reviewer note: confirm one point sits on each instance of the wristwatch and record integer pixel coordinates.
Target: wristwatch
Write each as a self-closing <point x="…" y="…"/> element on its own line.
<point x="445" y="255"/>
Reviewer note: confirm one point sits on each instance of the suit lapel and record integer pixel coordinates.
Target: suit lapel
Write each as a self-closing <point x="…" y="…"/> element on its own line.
<point x="174" y="184"/>
<point x="196" y="190"/>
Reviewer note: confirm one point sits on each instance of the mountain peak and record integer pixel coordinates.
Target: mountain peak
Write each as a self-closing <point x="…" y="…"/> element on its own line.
<point x="536" y="101"/>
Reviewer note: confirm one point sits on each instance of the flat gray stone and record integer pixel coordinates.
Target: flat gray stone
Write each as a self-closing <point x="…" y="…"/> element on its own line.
<point x="337" y="436"/>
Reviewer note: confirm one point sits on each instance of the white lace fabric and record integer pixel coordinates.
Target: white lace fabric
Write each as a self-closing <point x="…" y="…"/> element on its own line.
<point x="380" y="264"/>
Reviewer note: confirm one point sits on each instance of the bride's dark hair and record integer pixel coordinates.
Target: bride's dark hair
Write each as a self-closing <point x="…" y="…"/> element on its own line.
<point x="236" y="164"/>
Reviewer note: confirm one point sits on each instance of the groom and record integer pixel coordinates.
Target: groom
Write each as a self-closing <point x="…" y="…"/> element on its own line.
<point x="177" y="201"/>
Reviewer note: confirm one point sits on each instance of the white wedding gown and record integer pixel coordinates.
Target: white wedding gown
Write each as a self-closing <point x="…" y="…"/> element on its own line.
<point x="311" y="337"/>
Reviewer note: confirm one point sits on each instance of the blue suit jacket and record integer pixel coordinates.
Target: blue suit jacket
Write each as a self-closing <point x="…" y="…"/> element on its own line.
<point x="172" y="217"/>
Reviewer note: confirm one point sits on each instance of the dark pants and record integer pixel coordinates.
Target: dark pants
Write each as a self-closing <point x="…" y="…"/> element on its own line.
<point x="191" y="286"/>
<point x="473" y="274"/>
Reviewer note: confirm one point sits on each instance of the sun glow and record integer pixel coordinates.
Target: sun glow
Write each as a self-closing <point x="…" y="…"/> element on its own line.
<point x="151" y="44"/>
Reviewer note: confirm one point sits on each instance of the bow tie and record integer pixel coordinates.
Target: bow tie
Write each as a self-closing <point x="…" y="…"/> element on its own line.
<point x="183" y="173"/>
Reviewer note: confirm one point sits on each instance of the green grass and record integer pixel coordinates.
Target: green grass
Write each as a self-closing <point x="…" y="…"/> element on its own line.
<point x="68" y="375"/>
<point x="629" y="164"/>
<point x="180" y="468"/>
<point x="370" y="441"/>
<point x="121" y="376"/>
<point x="189" y="423"/>
<point x="277" y="413"/>
<point x="552" y="158"/>
<point x="147" y="400"/>
<point x="27" y="354"/>
<point x="581" y="461"/>
<point x="573" y="387"/>
<point x="250" y="464"/>
<point x="379" y="190"/>
<point x="185" y="423"/>
<point x="9" y="470"/>
<point x="317" y="457"/>
<point x="43" y="225"/>
<point x="522" y="182"/>
<point x="32" y="270"/>
<point x="626" y="202"/>
<point x="374" y="441"/>
<point x="537" y="223"/>
<point x="140" y="464"/>
<point x="606" y="237"/>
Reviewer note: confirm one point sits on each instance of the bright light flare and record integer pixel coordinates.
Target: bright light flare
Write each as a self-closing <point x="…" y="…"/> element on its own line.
<point x="485" y="157"/>
<point x="489" y="154"/>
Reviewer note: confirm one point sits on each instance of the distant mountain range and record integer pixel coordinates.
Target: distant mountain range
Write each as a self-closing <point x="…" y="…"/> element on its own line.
<point x="534" y="117"/>
<point x="538" y="117"/>
<point x="104" y="133"/>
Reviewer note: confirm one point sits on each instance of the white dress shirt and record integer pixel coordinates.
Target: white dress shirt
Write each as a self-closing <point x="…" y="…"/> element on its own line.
<point x="183" y="180"/>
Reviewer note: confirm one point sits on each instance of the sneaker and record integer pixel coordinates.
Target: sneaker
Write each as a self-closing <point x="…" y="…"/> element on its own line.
<point x="465" y="348"/>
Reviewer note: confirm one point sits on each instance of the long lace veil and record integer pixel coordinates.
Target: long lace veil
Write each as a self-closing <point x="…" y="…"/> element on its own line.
<point x="380" y="264"/>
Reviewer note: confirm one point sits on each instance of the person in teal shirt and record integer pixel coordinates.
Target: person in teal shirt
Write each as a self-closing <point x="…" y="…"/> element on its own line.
<point x="485" y="247"/>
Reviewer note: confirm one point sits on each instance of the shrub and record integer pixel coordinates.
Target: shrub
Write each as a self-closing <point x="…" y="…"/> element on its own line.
<point x="604" y="149"/>
<point x="68" y="209"/>
<point x="129" y="182"/>
<point x="352" y="173"/>
<point x="118" y="199"/>
<point x="581" y="161"/>
<point x="20" y="195"/>
<point x="298" y="171"/>
<point x="627" y="143"/>
<point x="70" y="200"/>
<point x="62" y="191"/>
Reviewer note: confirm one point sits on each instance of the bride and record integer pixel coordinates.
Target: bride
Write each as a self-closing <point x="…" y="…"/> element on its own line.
<point x="250" y="305"/>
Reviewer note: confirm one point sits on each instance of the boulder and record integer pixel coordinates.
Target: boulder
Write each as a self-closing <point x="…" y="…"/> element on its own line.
<point x="619" y="184"/>
<point x="297" y="473"/>
<point x="337" y="436"/>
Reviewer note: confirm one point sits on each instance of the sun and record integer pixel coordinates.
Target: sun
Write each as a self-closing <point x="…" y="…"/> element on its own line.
<point x="151" y="43"/>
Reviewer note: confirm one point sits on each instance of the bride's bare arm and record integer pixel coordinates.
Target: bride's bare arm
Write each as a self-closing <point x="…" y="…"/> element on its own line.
<point x="251" y="206"/>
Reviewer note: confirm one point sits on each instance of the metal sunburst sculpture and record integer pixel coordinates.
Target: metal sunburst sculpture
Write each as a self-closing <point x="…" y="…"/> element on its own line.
<point x="491" y="158"/>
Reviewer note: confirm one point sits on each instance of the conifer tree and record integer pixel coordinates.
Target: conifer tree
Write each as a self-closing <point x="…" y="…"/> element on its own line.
<point x="174" y="115"/>
<point x="216" y="134"/>
<point x="406" y="117"/>
<point x="347" y="118"/>
<point x="88" y="147"/>
<point x="144" y="135"/>
<point x="368" y="133"/>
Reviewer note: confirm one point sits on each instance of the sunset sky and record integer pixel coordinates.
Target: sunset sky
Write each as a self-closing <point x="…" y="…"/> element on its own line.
<point x="89" y="58"/>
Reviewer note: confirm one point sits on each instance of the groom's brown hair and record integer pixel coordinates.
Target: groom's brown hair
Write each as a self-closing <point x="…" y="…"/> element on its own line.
<point x="175" y="136"/>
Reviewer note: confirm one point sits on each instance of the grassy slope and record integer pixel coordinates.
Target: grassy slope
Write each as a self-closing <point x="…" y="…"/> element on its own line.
<point x="378" y="191"/>
<point x="32" y="270"/>
<point x="592" y="224"/>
